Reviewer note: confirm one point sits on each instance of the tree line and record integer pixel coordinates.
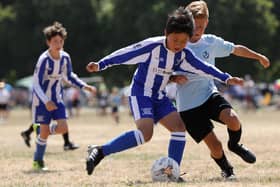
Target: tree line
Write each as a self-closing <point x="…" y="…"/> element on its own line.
<point x="98" y="27"/>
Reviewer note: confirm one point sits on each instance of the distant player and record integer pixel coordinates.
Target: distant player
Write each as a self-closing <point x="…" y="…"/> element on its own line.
<point x="53" y="66"/>
<point x="198" y="100"/>
<point x="4" y="101"/>
<point x="157" y="58"/>
<point x="115" y="103"/>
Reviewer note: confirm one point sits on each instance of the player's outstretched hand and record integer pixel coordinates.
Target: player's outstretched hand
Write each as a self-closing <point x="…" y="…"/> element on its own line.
<point x="264" y="61"/>
<point x="91" y="89"/>
<point x="92" y="67"/>
<point x="179" y="79"/>
<point x="235" y="81"/>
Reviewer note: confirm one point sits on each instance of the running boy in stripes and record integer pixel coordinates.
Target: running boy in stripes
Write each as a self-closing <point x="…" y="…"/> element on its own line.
<point x="53" y="66"/>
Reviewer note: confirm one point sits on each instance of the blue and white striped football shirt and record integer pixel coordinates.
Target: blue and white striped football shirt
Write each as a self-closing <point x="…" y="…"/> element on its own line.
<point x="155" y="65"/>
<point x="48" y="76"/>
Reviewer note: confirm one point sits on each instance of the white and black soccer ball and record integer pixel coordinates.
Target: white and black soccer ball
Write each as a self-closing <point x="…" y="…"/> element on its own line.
<point x="165" y="169"/>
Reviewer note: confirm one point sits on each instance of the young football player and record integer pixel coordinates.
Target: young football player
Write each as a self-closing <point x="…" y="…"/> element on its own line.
<point x="53" y="66"/>
<point x="199" y="101"/>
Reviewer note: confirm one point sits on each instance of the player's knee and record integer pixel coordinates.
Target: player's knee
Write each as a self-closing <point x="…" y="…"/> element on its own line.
<point x="146" y="132"/>
<point x="147" y="135"/>
<point x="233" y="122"/>
<point x="179" y="127"/>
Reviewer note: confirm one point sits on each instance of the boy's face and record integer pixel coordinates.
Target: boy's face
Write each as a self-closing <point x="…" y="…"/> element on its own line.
<point x="176" y="42"/>
<point x="200" y="26"/>
<point x="56" y="43"/>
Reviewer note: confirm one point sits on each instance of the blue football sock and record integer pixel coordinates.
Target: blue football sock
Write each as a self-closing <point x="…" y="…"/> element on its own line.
<point x="176" y="146"/>
<point x="41" y="145"/>
<point x="125" y="141"/>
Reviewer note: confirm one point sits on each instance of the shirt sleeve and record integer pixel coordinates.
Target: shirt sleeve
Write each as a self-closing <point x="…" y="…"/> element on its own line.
<point x="193" y="64"/>
<point x="38" y="80"/>
<point x="70" y="76"/>
<point x="222" y="48"/>
<point x="133" y="54"/>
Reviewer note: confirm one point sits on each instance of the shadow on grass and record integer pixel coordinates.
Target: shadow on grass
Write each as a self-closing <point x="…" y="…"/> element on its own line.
<point x="136" y="183"/>
<point x="32" y="171"/>
<point x="243" y="180"/>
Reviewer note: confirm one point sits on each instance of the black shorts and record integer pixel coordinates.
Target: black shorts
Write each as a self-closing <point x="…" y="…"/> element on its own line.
<point x="76" y="103"/>
<point x="115" y="109"/>
<point x="3" y="106"/>
<point x="198" y="120"/>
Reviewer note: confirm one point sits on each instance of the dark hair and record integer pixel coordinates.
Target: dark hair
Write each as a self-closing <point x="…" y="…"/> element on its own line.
<point x="180" y="21"/>
<point x="55" y="29"/>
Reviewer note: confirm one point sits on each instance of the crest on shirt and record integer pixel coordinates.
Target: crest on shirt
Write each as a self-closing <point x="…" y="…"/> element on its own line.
<point x="205" y="54"/>
<point x="178" y="61"/>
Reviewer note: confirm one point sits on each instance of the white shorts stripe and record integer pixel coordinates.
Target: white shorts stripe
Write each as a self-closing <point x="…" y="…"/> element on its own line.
<point x="135" y="107"/>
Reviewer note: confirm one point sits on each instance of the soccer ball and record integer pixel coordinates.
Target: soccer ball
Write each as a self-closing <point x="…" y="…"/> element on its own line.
<point x="165" y="169"/>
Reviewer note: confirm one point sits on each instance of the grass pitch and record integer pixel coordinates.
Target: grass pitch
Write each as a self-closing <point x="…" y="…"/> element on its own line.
<point x="261" y="132"/>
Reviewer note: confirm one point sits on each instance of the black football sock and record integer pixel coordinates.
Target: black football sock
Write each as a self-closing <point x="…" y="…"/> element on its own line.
<point x="66" y="138"/>
<point x="29" y="130"/>
<point x="234" y="137"/>
<point x="223" y="163"/>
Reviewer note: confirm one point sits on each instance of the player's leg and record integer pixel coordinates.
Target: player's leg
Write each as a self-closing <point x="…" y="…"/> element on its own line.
<point x="177" y="140"/>
<point x="167" y="115"/>
<point x="41" y="144"/>
<point x="61" y="127"/>
<point x="68" y="145"/>
<point x="217" y="153"/>
<point x="26" y="135"/>
<point x="199" y="126"/>
<point x="220" y="110"/>
<point x="231" y="119"/>
<point x="123" y="142"/>
<point x="142" y="110"/>
<point x="43" y="117"/>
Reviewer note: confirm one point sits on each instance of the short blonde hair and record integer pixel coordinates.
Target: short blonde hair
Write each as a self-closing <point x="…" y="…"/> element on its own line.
<point x="199" y="9"/>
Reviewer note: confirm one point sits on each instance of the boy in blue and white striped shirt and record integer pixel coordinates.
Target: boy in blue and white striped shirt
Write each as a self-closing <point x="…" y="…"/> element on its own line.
<point x="157" y="59"/>
<point x="53" y="67"/>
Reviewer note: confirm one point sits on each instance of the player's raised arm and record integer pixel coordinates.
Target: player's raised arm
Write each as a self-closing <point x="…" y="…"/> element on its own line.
<point x="195" y="65"/>
<point x="70" y="76"/>
<point x="243" y="51"/>
<point x="133" y="54"/>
